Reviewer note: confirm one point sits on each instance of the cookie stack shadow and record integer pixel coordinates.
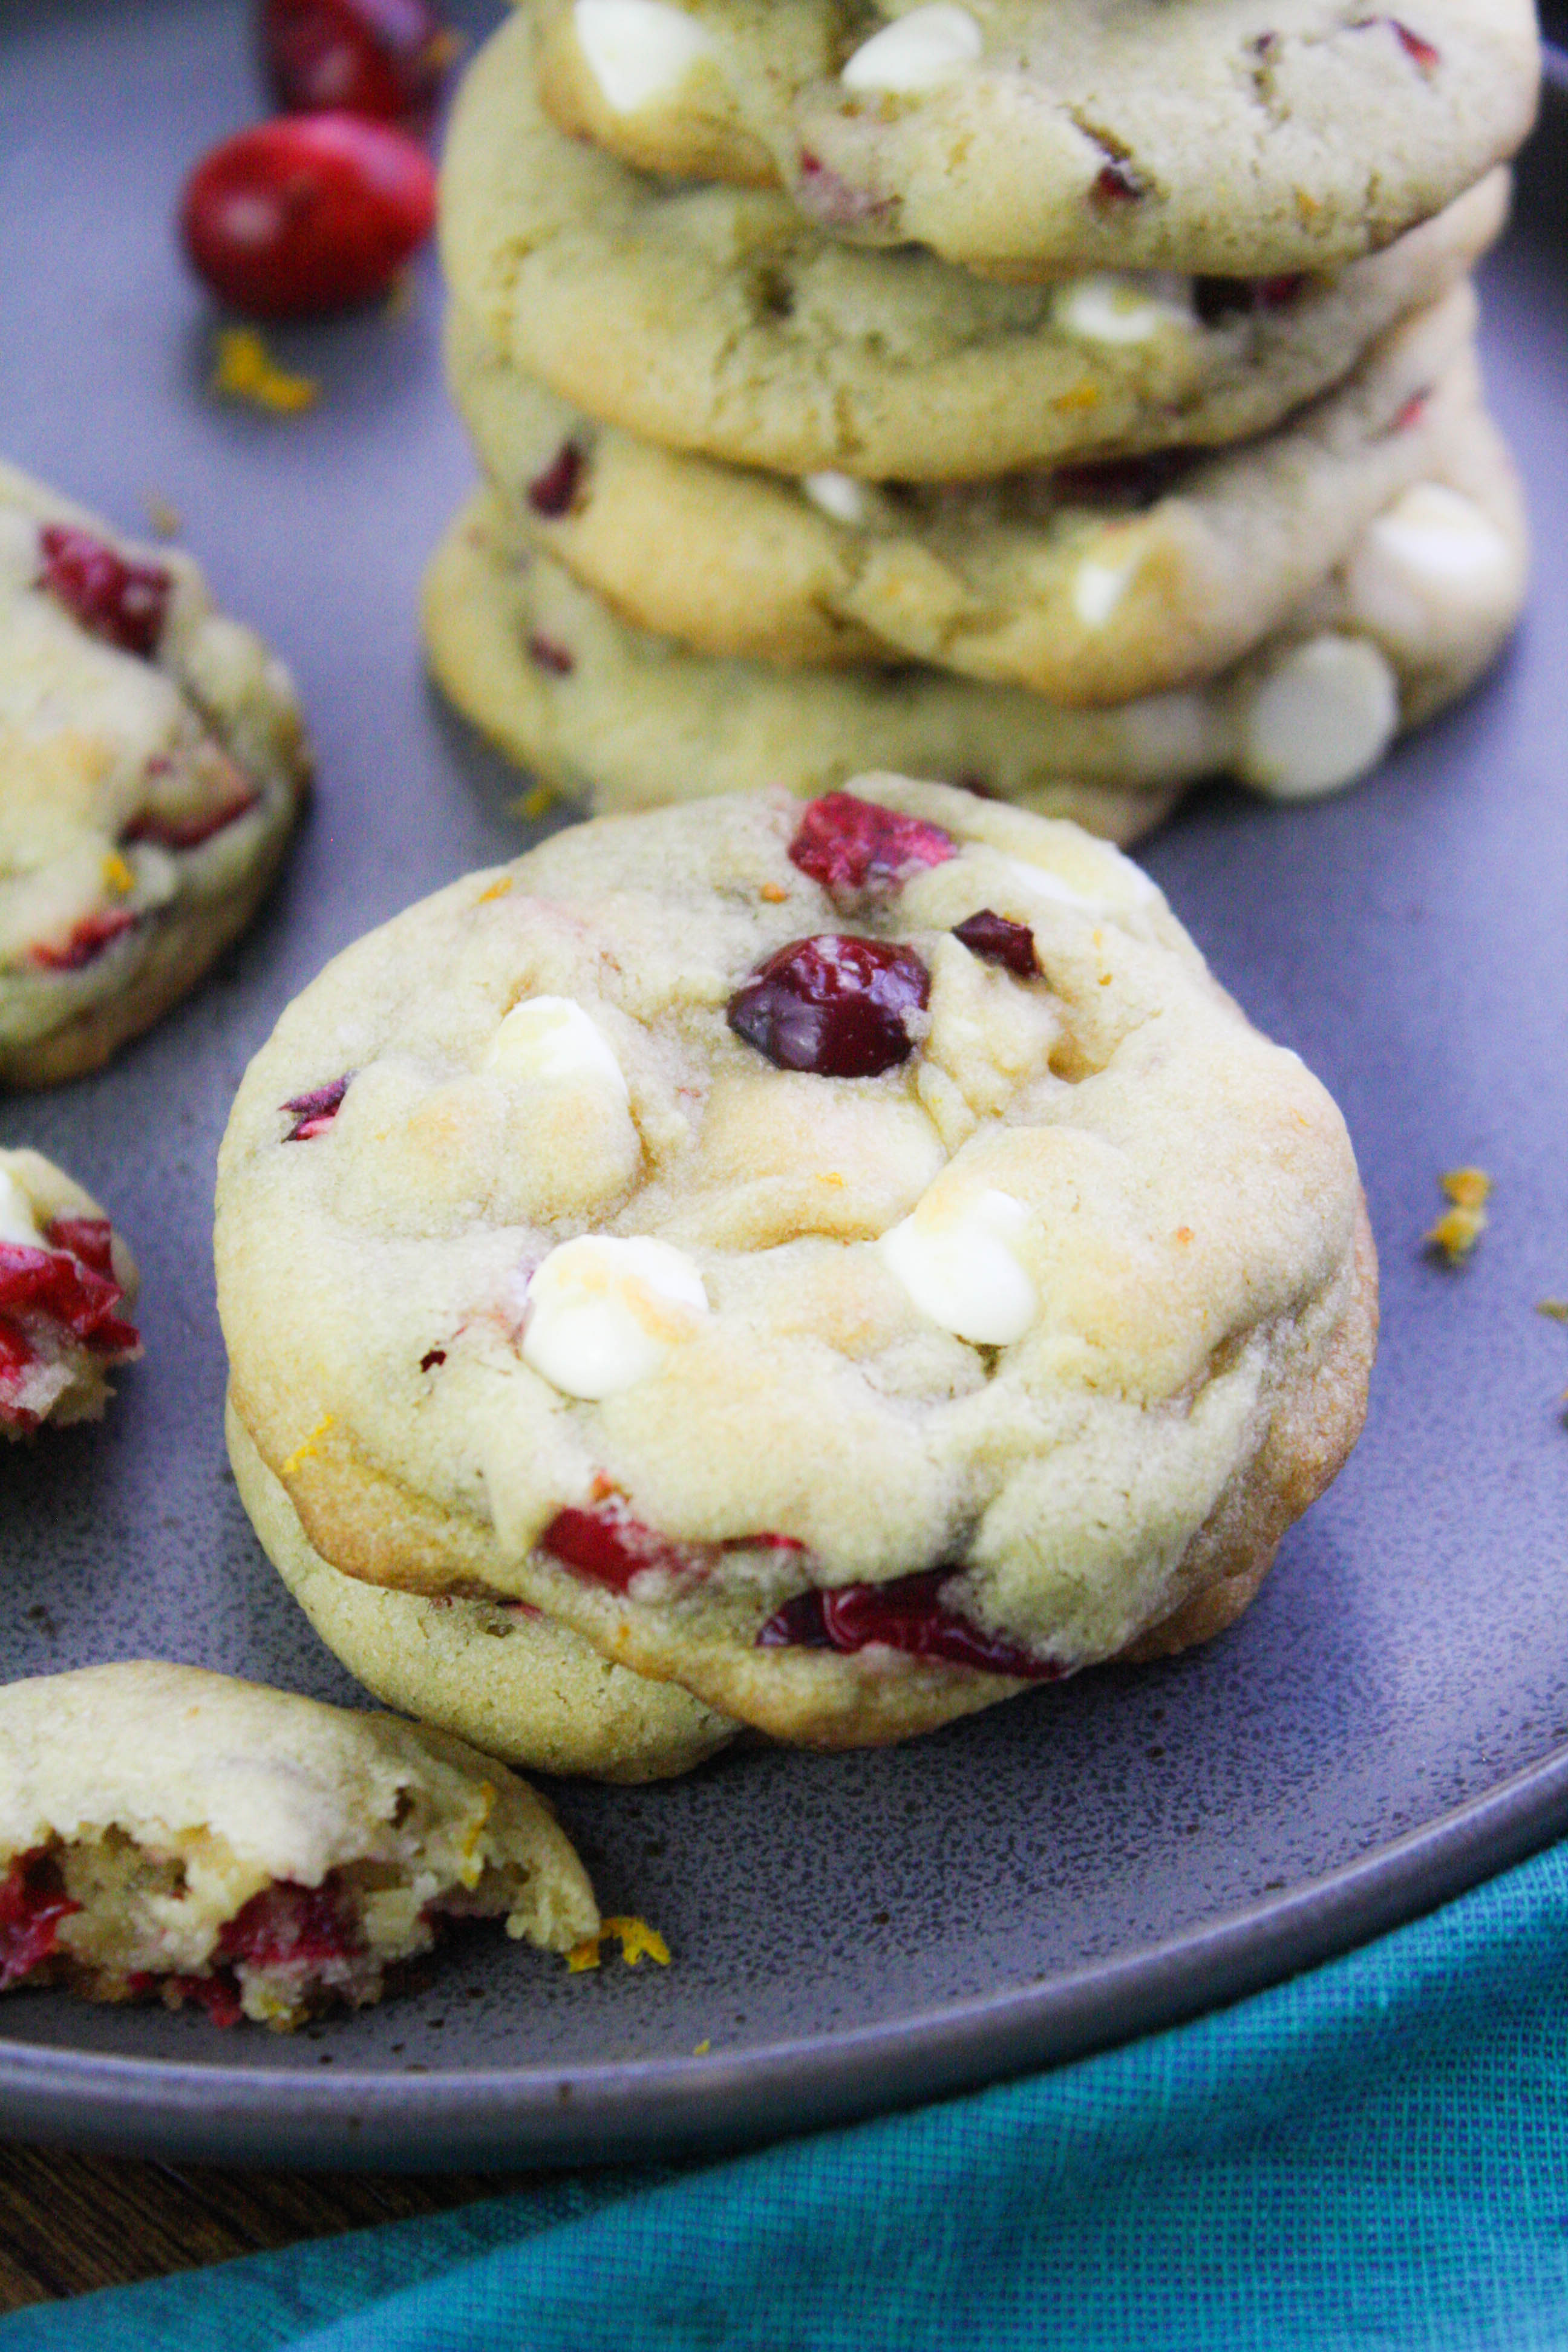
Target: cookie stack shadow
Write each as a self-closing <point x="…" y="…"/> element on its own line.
<point x="832" y="417"/>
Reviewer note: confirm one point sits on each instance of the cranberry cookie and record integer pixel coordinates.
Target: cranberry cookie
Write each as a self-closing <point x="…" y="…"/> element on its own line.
<point x="495" y="1673"/>
<point x="852" y="1262"/>
<point x="1236" y="136"/>
<point x="152" y="766"/>
<point x="65" y="1277"/>
<point x="168" y="1832"/>
<point x="723" y="321"/>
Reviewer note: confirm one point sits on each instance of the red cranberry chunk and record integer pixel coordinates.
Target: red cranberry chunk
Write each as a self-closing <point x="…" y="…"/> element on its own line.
<point x="307" y="214"/>
<point x="907" y="1615"/>
<point x="1116" y="183"/>
<point x="849" y="844"/>
<point x="90" y="1239"/>
<point x="218" y="1994"/>
<point x="550" y="493"/>
<point x="1420" y="50"/>
<point x="997" y="940"/>
<point x="291" y="1926"/>
<point x="52" y="1283"/>
<point x="314" y="1112"/>
<point x="33" y="1902"/>
<point x="833" y="1005"/>
<point x="548" y="656"/>
<point x="384" y="58"/>
<point x="124" y="604"/>
<point x="84" y="941"/>
<point x="190" y="832"/>
<point x="608" y="1547"/>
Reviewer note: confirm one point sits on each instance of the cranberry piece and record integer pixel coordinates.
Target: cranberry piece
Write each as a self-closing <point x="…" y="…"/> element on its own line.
<point x="307" y="214"/>
<point x="54" y="1284"/>
<point x="217" y="1994"/>
<point x="549" y="656"/>
<point x="289" y="1926"/>
<point x="124" y="604"/>
<point x="190" y="832"/>
<point x="84" y="941"/>
<point x="609" y="1547"/>
<point x="1421" y="51"/>
<point x="17" y="1356"/>
<point x="431" y="1358"/>
<point x="1116" y="183"/>
<point x="550" y="493"/>
<point x="851" y="846"/>
<point x="835" y="201"/>
<point x="90" y="1239"/>
<point x="907" y="1615"/>
<point x="1413" y="410"/>
<point x="1219" y="300"/>
<point x="33" y="1902"/>
<point x="997" y="940"/>
<point x="834" y="1005"/>
<point x="314" y="1112"/>
<point x="384" y="58"/>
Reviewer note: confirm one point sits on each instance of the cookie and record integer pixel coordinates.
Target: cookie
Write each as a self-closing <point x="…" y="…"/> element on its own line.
<point x="721" y="321"/>
<point x="851" y="1262"/>
<point x="620" y="719"/>
<point x="495" y="1673"/>
<point x="164" y="1830"/>
<point x="152" y="763"/>
<point x="65" y="1274"/>
<point x="1090" y="585"/>
<point x="1233" y="136"/>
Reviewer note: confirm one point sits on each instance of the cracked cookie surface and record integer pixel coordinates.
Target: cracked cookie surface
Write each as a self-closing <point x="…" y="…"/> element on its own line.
<point x="850" y="1262"/>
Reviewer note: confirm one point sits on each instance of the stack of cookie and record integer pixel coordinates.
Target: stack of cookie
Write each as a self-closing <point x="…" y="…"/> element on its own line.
<point x="1065" y="401"/>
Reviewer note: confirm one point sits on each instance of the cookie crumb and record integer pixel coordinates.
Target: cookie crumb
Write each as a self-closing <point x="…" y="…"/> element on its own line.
<point x="246" y="370"/>
<point x="1458" y="1230"/>
<point x="636" y="1940"/>
<point x="1082" y="395"/>
<point x="399" y="297"/>
<point x="701" y="2049"/>
<point x="165" y="518"/>
<point x="1555" y="1309"/>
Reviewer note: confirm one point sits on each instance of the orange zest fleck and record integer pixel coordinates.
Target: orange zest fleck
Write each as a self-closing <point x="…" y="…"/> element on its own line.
<point x="496" y="890"/>
<point x="774" y="893"/>
<point x="246" y="370"/>
<point x="1461" y="1227"/>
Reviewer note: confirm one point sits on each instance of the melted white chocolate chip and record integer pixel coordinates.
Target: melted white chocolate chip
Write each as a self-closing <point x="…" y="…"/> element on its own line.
<point x="915" y="51"/>
<point x="1433" y="562"/>
<point x="551" y="1040"/>
<point x="1323" y="715"/>
<point x="955" y="1257"/>
<point x="838" y="495"/>
<point x="638" y="50"/>
<point x="1118" y="306"/>
<point x="1098" y="587"/>
<point x="19" y="1218"/>
<point x="603" y="1314"/>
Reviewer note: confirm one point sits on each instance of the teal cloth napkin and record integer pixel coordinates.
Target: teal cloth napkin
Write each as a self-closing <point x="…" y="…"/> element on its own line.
<point x="1374" y="2154"/>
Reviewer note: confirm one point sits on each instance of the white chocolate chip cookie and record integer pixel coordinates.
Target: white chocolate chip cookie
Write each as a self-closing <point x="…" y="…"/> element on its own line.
<point x="167" y="1831"/>
<point x="1057" y="135"/>
<point x="725" y="323"/>
<point x="953" y="1292"/>
<point x="152" y="764"/>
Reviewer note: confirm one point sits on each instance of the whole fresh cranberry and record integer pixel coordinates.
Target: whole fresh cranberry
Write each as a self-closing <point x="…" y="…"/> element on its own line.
<point x="309" y="214"/>
<point x="833" y="1005"/>
<point x="124" y="604"/>
<point x="908" y="1615"/>
<point x="851" y="846"/>
<point x="382" y="59"/>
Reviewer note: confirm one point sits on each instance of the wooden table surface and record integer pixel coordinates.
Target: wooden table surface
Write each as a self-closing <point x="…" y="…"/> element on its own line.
<point x="69" y="2223"/>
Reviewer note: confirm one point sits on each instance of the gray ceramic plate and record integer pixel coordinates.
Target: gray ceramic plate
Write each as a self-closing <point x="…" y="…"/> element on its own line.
<point x="1087" y="1861"/>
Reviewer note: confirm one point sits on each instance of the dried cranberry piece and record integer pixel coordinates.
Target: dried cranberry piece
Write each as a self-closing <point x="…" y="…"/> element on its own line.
<point x="90" y="1239"/>
<point x="1420" y="50"/>
<point x="1116" y="183"/>
<point x="217" y="1994"/>
<point x="907" y="1615"/>
<point x="33" y="1902"/>
<point x="431" y="1358"/>
<point x="307" y="214"/>
<point x="1413" y="410"/>
<point x="550" y="493"/>
<point x="835" y="201"/>
<point x="384" y="58"/>
<point x="287" y="1925"/>
<point x="84" y="941"/>
<point x="549" y="656"/>
<point x="190" y="832"/>
<point x="52" y="1283"/>
<point x="609" y="1547"/>
<point x="1218" y="301"/>
<point x="992" y="936"/>
<point x="851" y="846"/>
<point x="315" y="1111"/>
<point x="833" y="1005"/>
<point x="124" y="604"/>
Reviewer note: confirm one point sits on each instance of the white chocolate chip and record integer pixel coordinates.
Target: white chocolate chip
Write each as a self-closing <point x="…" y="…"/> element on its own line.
<point x="1122" y="307"/>
<point x="955" y="1256"/>
<point x="915" y="51"/>
<point x="603" y="1314"/>
<point x="551" y="1040"/>
<point x="638" y="50"/>
<point x="1100" y="587"/>
<point x="1323" y="715"/>
<point x="838" y="495"/>
<point x="1104" y="878"/>
<point x="1430" y="570"/>
<point x="18" y="1219"/>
